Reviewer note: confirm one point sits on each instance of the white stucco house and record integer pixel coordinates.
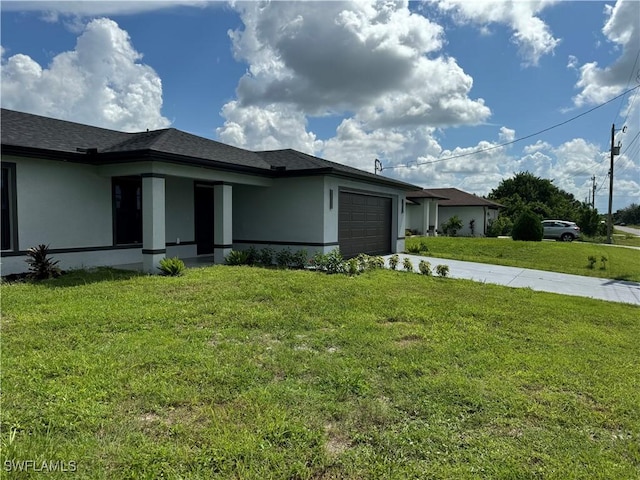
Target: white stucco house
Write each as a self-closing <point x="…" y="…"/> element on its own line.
<point x="103" y="197"/>
<point x="429" y="209"/>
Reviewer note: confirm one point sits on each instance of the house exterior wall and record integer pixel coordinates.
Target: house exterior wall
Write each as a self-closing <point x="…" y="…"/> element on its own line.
<point x="288" y="214"/>
<point x="466" y="214"/>
<point x="302" y="212"/>
<point x="68" y="206"/>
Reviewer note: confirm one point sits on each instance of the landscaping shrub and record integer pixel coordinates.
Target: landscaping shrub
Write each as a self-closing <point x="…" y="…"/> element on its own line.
<point x="41" y="267"/>
<point x="237" y="257"/>
<point x="418" y="247"/>
<point x="407" y="265"/>
<point x="331" y="262"/>
<point x="442" y="270"/>
<point x="253" y="257"/>
<point x="284" y="258"/>
<point x="451" y="226"/>
<point x="393" y="261"/>
<point x="299" y="259"/>
<point x="171" y="267"/>
<point x="528" y="227"/>
<point x="500" y="226"/>
<point x="424" y="267"/>
<point x="265" y="256"/>
<point x="592" y="261"/>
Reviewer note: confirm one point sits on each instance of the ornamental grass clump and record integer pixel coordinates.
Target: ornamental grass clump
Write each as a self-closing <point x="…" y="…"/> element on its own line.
<point x="41" y="266"/>
<point x="171" y="267"/>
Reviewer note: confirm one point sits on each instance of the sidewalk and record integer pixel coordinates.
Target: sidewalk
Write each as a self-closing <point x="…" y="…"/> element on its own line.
<point x="565" y="284"/>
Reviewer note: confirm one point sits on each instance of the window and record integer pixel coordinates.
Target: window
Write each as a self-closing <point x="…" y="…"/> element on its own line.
<point x="127" y="210"/>
<point x="8" y="213"/>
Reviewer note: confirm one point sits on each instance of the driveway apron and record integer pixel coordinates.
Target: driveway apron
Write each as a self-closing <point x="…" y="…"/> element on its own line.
<point x="565" y="284"/>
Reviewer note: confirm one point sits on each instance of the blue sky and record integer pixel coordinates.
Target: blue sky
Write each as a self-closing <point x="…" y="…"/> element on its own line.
<point x="412" y="84"/>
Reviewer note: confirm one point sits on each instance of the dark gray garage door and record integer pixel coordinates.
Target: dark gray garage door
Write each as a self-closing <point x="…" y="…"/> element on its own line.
<point x="364" y="224"/>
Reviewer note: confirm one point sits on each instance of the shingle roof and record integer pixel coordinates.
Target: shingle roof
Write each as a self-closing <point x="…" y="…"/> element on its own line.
<point x="25" y="132"/>
<point x="293" y="161"/>
<point x="33" y="131"/>
<point x="452" y="197"/>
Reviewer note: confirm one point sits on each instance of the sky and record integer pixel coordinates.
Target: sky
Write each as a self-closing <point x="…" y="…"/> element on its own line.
<point x="444" y="93"/>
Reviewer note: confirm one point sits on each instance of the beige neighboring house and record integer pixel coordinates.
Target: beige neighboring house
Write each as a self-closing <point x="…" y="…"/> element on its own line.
<point x="429" y="209"/>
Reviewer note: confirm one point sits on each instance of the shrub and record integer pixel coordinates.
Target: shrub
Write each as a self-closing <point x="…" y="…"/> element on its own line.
<point x="424" y="267"/>
<point x="374" y="263"/>
<point x="592" y="261"/>
<point x="352" y="266"/>
<point x="237" y="257"/>
<point x="603" y="262"/>
<point x="527" y="227"/>
<point x="299" y="259"/>
<point x="171" y="267"/>
<point x="451" y="226"/>
<point x="335" y="262"/>
<point x="41" y="266"/>
<point x="265" y="256"/>
<point x="500" y="226"/>
<point x="442" y="270"/>
<point x="407" y="265"/>
<point x="253" y="257"/>
<point x="418" y="247"/>
<point x="284" y="258"/>
<point x="331" y="262"/>
<point x="393" y="261"/>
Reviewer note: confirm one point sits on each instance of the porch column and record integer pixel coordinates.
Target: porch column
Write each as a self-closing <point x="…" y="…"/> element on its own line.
<point x="426" y="206"/>
<point x="153" y="222"/>
<point x="437" y="222"/>
<point x="223" y="221"/>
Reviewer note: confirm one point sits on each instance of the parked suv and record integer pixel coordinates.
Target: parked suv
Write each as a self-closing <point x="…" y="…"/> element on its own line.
<point x="560" y="230"/>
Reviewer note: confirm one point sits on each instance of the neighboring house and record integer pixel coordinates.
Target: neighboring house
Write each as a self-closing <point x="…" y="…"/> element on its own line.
<point x="102" y="197"/>
<point x="429" y="209"/>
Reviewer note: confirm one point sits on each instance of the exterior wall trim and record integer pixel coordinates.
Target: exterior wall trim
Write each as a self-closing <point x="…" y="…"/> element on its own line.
<point x="279" y="242"/>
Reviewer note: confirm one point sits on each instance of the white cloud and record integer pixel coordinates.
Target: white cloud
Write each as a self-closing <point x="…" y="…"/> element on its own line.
<point x="622" y="29"/>
<point x="530" y="33"/>
<point x="507" y="134"/>
<point x="52" y="10"/>
<point x="376" y="64"/>
<point x="101" y="82"/>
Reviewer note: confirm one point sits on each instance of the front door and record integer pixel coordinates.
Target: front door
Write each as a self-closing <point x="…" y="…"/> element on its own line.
<point x="204" y="219"/>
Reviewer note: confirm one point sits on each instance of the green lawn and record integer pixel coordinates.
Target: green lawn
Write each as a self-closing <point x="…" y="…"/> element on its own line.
<point x="563" y="257"/>
<point x="239" y="372"/>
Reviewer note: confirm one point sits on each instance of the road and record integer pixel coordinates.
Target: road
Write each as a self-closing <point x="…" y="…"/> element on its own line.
<point x="630" y="230"/>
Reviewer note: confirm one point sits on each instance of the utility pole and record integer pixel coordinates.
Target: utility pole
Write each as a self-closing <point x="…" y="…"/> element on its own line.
<point x="593" y="193"/>
<point x="615" y="150"/>
<point x="609" y="217"/>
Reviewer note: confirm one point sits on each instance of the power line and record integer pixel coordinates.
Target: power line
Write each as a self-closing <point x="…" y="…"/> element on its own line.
<point x="482" y="150"/>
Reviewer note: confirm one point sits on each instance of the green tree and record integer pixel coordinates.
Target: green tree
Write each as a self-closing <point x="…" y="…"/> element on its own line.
<point x="629" y="215"/>
<point x="526" y="191"/>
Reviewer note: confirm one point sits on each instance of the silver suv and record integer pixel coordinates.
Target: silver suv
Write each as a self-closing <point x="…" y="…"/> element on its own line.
<point x="560" y="230"/>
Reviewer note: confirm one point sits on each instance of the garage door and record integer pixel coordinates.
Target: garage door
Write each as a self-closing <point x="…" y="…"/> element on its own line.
<point x="364" y="224"/>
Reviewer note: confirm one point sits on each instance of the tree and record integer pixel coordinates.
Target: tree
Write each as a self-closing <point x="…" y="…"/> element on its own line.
<point x="629" y="215"/>
<point x="526" y="191"/>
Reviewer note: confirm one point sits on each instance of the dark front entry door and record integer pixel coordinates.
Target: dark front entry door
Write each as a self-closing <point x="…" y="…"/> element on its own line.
<point x="204" y="219"/>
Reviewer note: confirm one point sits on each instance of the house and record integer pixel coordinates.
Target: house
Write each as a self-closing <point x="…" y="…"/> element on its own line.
<point x="429" y="209"/>
<point x="103" y="197"/>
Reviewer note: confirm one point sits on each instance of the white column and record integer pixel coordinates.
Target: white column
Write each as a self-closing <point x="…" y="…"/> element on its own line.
<point x="426" y="205"/>
<point x="437" y="222"/>
<point x="223" y="221"/>
<point x="153" y="221"/>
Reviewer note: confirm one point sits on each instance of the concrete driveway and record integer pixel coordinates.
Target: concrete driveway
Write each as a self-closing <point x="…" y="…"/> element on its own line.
<point x="565" y="284"/>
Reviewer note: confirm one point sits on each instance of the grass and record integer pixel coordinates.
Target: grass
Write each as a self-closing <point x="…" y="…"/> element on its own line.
<point x="621" y="264"/>
<point x="238" y="372"/>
